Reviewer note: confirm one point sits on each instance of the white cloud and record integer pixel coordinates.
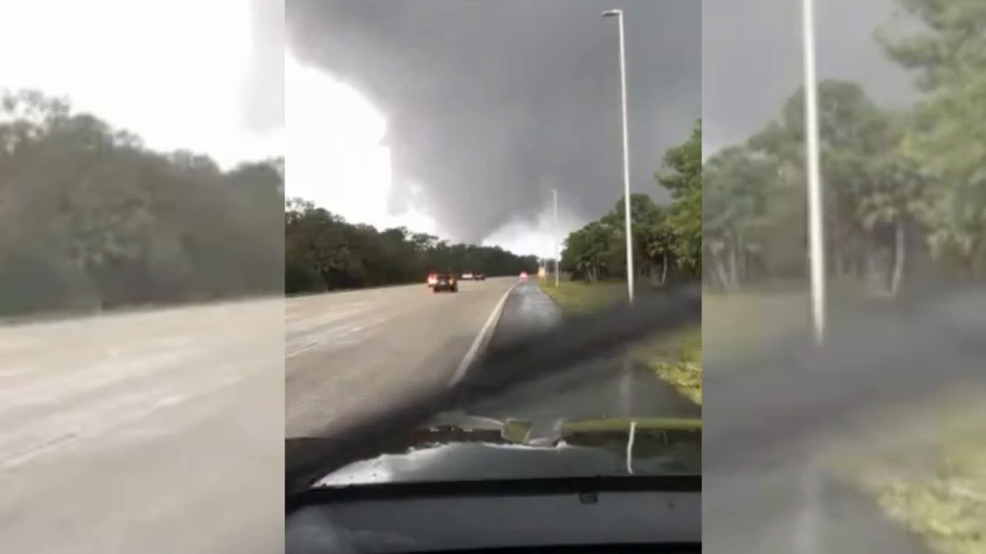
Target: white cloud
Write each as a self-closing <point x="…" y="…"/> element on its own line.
<point x="334" y="153"/>
<point x="708" y="151"/>
<point x="171" y="71"/>
<point x="538" y="238"/>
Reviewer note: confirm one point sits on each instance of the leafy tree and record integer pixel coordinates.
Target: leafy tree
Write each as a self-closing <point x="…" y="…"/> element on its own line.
<point x="735" y="221"/>
<point x="663" y="236"/>
<point x="897" y="184"/>
<point x="870" y="197"/>
<point x="947" y="138"/>
<point x="685" y="184"/>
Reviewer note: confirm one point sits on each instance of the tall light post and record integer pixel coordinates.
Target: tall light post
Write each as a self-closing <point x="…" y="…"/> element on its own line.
<point x="805" y="536"/>
<point x="554" y="231"/>
<point x="626" y="153"/>
<point x="816" y="242"/>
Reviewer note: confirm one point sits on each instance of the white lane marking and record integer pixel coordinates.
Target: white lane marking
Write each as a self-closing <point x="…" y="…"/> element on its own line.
<point x="481" y="339"/>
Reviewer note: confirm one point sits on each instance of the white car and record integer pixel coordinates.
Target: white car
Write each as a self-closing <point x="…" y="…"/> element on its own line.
<point x="467" y="277"/>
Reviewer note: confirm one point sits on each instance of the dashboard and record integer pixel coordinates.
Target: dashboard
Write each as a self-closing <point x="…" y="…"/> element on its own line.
<point x="614" y="521"/>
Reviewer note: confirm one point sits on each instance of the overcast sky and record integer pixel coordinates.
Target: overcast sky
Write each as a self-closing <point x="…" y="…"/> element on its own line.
<point x="451" y="116"/>
<point x="752" y="59"/>
<point x="487" y="105"/>
<point x="204" y="76"/>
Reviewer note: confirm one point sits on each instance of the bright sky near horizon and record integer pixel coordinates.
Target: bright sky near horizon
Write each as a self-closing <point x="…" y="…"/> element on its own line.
<point x="336" y="158"/>
<point x="171" y="71"/>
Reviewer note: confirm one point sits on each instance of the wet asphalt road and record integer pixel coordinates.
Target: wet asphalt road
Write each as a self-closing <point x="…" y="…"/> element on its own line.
<point x="154" y="432"/>
<point x="349" y="354"/>
<point x="163" y="431"/>
<point x="603" y="388"/>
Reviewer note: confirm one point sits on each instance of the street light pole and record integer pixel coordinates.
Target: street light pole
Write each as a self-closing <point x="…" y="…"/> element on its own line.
<point x="816" y="240"/>
<point x="626" y="153"/>
<point x="554" y="231"/>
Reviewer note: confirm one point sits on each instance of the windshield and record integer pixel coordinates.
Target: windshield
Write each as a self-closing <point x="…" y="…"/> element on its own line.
<point x="546" y="113"/>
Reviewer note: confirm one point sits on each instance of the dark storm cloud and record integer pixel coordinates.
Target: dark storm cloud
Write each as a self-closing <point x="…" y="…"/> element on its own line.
<point x="492" y="102"/>
<point x="264" y="88"/>
<point x="752" y="59"/>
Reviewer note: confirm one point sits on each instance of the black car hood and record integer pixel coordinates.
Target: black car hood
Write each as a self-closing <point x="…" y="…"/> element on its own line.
<point x="513" y="456"/>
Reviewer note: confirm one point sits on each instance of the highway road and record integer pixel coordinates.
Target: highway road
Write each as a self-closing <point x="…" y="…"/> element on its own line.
<point x="162" y="431"/>
<point x="348" y="353"/>
<point x="154" y="432"/>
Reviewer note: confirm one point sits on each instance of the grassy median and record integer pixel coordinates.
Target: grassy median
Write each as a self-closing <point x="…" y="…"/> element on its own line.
<point x="925" y="466"/>
<point x="676" y="359"/>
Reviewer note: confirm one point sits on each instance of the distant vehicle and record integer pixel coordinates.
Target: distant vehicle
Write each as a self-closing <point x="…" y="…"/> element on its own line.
<point x="467" y="277"/>
<point x="479" y="277"/>
<point x="445" y="281"/>
<point x="432" y="278"/>
<point x="523" y="275"/>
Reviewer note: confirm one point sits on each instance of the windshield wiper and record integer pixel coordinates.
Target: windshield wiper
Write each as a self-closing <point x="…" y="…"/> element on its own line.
<point x="583" y="485"/>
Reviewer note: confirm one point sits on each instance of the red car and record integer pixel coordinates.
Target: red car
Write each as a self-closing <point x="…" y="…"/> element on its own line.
<point x="523" y="275"/>
<point x="445" y="281"/>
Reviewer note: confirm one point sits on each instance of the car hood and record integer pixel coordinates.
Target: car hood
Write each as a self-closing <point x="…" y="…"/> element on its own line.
<point x="512" y="450"/>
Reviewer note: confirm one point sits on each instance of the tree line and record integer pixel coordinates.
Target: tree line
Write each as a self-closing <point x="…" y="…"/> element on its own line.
<point x="666" y="240"/>
<point x="904" y="190"/>
<point x="91" y="219"/>
<point x="323" y="251"/>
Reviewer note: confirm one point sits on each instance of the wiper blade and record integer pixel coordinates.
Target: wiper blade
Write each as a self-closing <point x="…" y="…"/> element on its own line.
<point x="500" y="370"/>
<point x="502" y="487"/>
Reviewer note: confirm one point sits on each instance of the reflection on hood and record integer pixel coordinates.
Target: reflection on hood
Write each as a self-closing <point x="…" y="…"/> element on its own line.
<point x="498" y="450"/>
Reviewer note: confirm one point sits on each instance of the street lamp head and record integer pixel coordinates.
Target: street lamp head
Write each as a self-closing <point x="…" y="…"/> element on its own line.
<point x="611" y="13"/>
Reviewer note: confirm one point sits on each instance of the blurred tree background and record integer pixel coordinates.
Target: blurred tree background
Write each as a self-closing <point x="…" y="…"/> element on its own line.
<point x="325" y="252"/>
<point x="90" y="219"/>
<point x="904" y="190"/>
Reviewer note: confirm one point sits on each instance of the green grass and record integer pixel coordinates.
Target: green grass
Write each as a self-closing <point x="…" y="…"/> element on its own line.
<point x="582" y="297"/>
<point x="925" y="466"/>
<point x="676" y="359"/>
<point x="655" y="424"/>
